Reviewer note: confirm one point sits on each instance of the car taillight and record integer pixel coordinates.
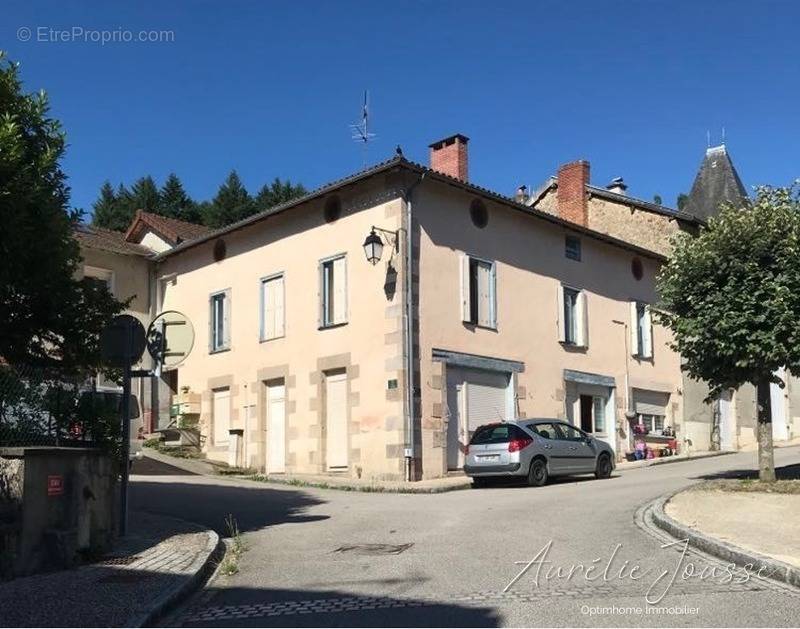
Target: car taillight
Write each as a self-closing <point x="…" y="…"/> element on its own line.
<point x="466" y="450"/>
<point x="515" y="445"/>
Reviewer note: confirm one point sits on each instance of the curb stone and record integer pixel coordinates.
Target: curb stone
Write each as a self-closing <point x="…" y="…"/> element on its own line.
<point x="202" y="567"/>
<point x="779" y="570"/>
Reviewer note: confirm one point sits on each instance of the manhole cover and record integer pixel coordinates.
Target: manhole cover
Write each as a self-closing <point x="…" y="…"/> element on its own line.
<point x="118" y="561"/>
<point x="373" y="549"/>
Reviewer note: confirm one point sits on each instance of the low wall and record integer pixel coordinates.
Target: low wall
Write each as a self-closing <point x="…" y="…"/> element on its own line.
<point x="55" y="504"/>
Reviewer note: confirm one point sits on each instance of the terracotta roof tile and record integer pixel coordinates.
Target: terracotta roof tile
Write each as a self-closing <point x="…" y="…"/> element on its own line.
<point x="172" y="229"/>
<point x="108" y="240"/>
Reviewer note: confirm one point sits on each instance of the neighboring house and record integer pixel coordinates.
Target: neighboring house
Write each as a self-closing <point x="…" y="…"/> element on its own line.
<point x="326" y="363"/>
<point x="124" y="262"/>
<point x="728" y="423"/>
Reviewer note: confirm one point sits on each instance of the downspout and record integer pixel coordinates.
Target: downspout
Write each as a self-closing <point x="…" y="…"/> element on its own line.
<point x="408" y="333"/>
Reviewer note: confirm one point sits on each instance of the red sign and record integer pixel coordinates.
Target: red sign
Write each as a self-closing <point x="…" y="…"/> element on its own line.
<point x="55" y="485"/>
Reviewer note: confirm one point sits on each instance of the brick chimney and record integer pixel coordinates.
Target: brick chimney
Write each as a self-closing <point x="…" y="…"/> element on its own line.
<point x="573" y="203"/>
<point x="449" y="156"/>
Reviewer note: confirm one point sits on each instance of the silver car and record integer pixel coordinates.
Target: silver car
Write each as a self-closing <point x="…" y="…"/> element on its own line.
<point x="535" y="449"/>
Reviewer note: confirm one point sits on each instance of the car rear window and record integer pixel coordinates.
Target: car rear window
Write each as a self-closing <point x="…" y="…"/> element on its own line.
<point x="499" y="433"/>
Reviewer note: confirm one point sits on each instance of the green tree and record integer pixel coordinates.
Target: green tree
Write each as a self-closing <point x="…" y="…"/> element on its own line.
<point x="278" y="192"/>
<point x="232" y="203"/>
<point x="47" y="317"/>
<point x="682" y="199"/>
<point x="105" y="207"/>
<point x="175" y="203"/>
<point x="657" y="199"/>
<point x="144" y="195"/>
<point x="731" y="297"/>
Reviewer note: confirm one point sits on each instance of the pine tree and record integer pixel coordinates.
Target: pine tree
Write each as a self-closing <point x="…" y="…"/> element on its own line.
<point x="144" y="194"/>
<point x="105" y="206"/>
<point x="232" y="203"/>
<point x="682" y="199"/>
<point x="175" y="203"/>
<point x="278" y="192"/>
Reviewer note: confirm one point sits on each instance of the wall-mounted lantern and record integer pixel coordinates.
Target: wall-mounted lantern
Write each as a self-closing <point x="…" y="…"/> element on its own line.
<point x="373" y="244"/>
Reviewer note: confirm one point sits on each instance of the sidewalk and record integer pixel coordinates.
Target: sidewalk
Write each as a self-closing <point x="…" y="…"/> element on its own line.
<point x="161" y="560"/>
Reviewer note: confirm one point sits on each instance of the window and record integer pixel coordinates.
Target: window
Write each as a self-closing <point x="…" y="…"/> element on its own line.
<point x="103" y="276"/>
<point x="641" y="330"/>
<point x="599" y="414"/>
<point x="498" y="433"/>
<point x="333" y="290"/>
<point x="478" y="292"/>
<point x="572" y="317"/>
<point x="653" y="423"/>
<point x="272" y="308"/>
<point x="545" y="431"/>
<point x="570" y="433"/>
<point x="572" y="247"/>
<point x="219" y="321"/>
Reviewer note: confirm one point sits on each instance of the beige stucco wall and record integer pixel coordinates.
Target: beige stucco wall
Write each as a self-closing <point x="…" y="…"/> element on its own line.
<point x="153" y="241"/>
<point x="130" y="278"/>
<point x="368" y="346"/>
<point x="530" y="259"/>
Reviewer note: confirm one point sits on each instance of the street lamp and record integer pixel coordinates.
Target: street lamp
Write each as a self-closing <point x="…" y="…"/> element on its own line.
<point x="373" y="244"/>
<point x="373" y="247"/>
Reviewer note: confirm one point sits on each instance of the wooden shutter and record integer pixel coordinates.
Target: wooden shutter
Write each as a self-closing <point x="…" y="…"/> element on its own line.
<point x="560" y="318"/>
<point x="493" y="295"/>
<point x="647" y="333"/>
<point x="634" y="329"/>
<point x="280" y="309"/>
<point x="582" y="324"/>
<point x="339" y="290"/>
<point x="321" y="295"/>
<point x="484" y="279"/>
<point x="226" y="319"/>
<point x="466" y="313"/>
<point x="211" y="323"/>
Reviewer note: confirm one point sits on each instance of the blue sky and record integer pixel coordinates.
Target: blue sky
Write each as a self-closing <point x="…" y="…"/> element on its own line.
<point x="269" y="88"/>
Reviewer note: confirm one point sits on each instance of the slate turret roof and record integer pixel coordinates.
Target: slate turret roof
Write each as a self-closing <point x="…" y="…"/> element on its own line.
<point x="717" y="182"/>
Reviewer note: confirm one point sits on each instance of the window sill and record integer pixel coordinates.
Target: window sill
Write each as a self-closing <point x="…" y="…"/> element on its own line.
<point x="221" y="350"/>
<point x="330" y="326"/>
<point x="273" y="338"/>
<point x="573" y="347"/>
<point x="478" y="326"/>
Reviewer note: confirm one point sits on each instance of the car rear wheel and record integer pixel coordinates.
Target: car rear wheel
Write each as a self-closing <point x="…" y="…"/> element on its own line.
<point x="537" y="474"/>
<point x="603" y="469"/>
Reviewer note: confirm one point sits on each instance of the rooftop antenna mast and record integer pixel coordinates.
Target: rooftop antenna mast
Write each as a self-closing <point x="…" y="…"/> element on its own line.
<point x="360" y="130"/>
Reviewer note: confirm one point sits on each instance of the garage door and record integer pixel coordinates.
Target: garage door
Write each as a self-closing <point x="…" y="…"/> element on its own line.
<point x="474" y="397"/>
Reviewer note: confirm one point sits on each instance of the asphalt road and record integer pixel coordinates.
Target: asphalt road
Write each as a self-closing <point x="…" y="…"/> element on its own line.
<point x="332" y="558"/>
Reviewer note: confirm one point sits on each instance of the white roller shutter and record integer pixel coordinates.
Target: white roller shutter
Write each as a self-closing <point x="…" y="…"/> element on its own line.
<point x="650" y="402"/>
<point x="487" y="397"/>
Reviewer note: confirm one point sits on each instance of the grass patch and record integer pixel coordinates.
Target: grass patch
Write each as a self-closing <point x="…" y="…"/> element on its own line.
<point x="752" y="485"/>
<point x="180" y="452"/>
<point x="235" y="549"/>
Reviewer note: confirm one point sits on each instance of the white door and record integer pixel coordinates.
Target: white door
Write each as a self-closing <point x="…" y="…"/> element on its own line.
<point x="221" y="415"/>
<point x="336" y="420"/>
<point x="276" y="428"/>
<point x="727" y="431"/>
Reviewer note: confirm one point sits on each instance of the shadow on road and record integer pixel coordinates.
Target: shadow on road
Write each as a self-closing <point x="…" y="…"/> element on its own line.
<point x="785" y="472"/>
<point x="210" y="503"/>
<point x="263" y="607"/>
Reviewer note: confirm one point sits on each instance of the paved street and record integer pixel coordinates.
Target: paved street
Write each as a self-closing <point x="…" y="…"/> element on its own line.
<point x="334" y="558"/>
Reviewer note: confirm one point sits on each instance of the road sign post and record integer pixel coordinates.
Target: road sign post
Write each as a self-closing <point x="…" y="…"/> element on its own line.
<point x="122" y="344"/>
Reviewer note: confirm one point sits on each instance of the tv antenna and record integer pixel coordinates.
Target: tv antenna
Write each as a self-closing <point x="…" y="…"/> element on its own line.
<point x="360" y="130"/>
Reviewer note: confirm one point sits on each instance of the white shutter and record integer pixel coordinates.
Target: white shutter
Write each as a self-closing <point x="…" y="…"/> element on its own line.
<point x="484" y="294"/>
<point x="321" y="295"/>
<point x="582" y="315"/>
<point x="487" y="397"/>
<point x="267" y="314"/>
<point x="280" y="311"/>
<point x="647" y="334"/>
<point x="465" y="296"/>
<point x="221" y="414"/>
<point x="211" y="324"/>
<point x="650" y="402"/>
<point x="226" y="320"/>
<point x="634" y="329"/>
<point x="339" y="291"/>
<point x="560" y="321"/>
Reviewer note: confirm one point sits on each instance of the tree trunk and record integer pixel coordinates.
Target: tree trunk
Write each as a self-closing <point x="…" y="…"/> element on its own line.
<point x="766" y="457"/>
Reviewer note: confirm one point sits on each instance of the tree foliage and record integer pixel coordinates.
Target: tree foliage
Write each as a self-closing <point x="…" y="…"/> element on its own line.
<point x="278" y="192"/>
<point x="175" y="203"/>
<point x="731" y="297"/>
<point x="47" y="316"/>
<point x="232" y="203"/>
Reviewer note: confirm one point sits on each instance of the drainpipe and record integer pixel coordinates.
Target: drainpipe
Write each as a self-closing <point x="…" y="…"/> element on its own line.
<point x="408" y="333"/>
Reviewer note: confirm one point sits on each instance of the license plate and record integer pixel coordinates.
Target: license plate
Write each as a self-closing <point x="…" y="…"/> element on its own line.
<point x="487" y="458"/>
